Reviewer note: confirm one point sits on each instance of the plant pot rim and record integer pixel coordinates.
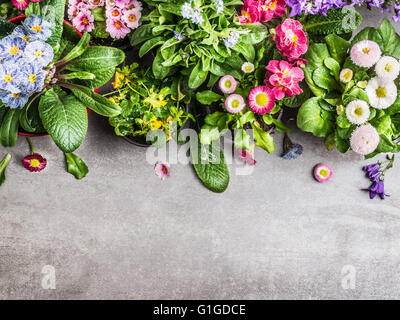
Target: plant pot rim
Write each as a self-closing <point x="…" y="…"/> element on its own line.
<point x="16" y="20"/>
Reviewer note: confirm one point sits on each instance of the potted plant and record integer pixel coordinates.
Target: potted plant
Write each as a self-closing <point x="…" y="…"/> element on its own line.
<point x="109" y="22"/>
<point x="355" y="103"/>
<point x="52" y="90"/>
<point x="147" y="104"/>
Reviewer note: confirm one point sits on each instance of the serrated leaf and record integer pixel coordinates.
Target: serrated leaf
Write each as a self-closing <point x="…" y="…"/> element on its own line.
<point x="65" y="118"/>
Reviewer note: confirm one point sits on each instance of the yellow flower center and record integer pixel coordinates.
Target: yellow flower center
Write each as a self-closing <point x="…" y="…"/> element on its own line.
<point x="324" y="173"/>
<point x="118" y="25"/>
<point x="35" y="163"/>
<point x="38" y="54"/>
<point x="14" y="50"/>
<point x="32" y="78"/>
<point x="366" y="50"/>
<point x="347" y="75"/>
<point x="248" y="68"/>
<point x="37" y="28"/>
<point x="115" y="13"/>
<point x="8" y="78"/>
<point x="228" y="84"/>
<point x="26" y="38"/>
<point x="235" y="104"/>
<point x="381" y="92"/>
<point x="132" y="18"/>
<point x="358" y="111"/>
<point x="16" y="95"/>
<point x="388" y="67"/>
<point x="262" y="99"/>
<point x="85" y="21"/>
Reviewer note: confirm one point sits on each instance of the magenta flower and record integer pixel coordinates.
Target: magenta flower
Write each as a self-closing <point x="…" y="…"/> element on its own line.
<point x="245" y="156"/>
<point x="34" y="162"/>
<point x="284" y="79"/>
<point x="84" y="22"/>
<point x="20" y="4"/>
<point x="261" y="100"/>
<point x="291" y="40"/>
<point x="162" y="170"/>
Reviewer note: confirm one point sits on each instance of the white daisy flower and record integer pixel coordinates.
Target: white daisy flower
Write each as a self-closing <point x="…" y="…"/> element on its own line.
<point x="387" y="68"/>
<point x="357" y="112"/>
<point x="346" y="75"/>
<point x="381" y="93"/>
<point x="362" y="84"/>
<point x="339" y="109"/>
<point x="248" y="67"/>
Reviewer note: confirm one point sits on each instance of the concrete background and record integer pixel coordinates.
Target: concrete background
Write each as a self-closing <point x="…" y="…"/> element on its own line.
<point x="121" y="233"/>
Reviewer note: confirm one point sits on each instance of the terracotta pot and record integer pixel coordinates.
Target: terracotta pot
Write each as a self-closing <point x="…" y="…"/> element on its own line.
<point x="18" y="20"/>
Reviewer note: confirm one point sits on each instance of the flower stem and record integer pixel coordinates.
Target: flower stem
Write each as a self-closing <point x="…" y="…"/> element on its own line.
<point x="30" y="145"/>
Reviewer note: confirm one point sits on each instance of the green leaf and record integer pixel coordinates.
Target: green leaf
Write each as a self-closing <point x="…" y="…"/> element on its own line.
<point x="342" y="144"/>
<point x="53" y="12"/>
<point x="102" y="76"/>
<point x="150" y="44"/>
<point x="159" y="71"/>
<point x="323" y="79"/>
<point x="390" y="38"/>
<point x="208" y="97"/>
<point x="142" y="34"/>
<point x="333" y="66"/>
<point x="3" y="166"/>
<point x="9" y="128"/>
<point x="263" y="139"/>
<point x="210" y="166"/>
<point x="6" y="28"/>
<point x="197" y="76"/>
<point x="76" y="166"/>
<point x="79" y="49"/>
<point x="64" y="118"/>
<point x="368" y="33"/>
<point x="96" y="102"/>
<point x="24" y="120"/>
<point x="337" y="47"/>
<point x="81" y="75"/>
<point x="335" y="22"/>
<point x="95" y="57"/>
<point x="309" y="119"/>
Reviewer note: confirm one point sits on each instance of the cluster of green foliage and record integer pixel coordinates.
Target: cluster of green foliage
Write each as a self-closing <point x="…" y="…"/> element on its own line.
<point x="318" y="114"/>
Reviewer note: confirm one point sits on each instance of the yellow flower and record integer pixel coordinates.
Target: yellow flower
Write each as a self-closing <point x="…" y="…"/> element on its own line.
<point x="119" y="80"/>
<point x="155" y="123"/>
<point x="111" y="99"/>
<point x="169" y="119"/>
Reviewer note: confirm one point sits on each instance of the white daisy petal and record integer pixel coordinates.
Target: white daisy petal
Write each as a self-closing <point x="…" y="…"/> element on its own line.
<point x="357" y="112"/>
<point x="381" y="93"/>
<point x="387" y="68"/>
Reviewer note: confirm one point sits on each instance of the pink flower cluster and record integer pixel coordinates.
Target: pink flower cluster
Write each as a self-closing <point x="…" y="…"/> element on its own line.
<point x="283" y="79"/>
<point x="291" y="40"/>
<point x="121" y="16"/>
<point x="256" y="11"/>
<point x="22" y="4"/>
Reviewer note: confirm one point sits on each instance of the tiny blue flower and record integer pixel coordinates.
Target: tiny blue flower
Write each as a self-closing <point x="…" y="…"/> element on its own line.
<point x="187" y="10"/>
<point x="39" y="52"/>
<point x="219" y="6"/>
<point x="21" y="32"/>
<point x="232" y="39"/>
<point x="179" y="36"/>
<point x="11" y="48"/>
<point x="36" y="25"/>
<point x="32" y="77"/>
<point x="10" y="77"/>
<point x="14" y="100"/>
<point x="197" y="17"/>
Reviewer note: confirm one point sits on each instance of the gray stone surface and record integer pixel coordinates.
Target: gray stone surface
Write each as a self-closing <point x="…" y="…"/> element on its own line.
<point x="123" y="233"/>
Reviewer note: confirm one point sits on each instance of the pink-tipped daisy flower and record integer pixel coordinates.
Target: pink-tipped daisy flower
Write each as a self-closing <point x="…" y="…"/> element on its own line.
<point x="245" y="156"/>
<point x="365" y="53"/>
<point x="365" y="139"/>
<point x="235" y="103"/>
<point x="261" y="100"/>
<point x="135" y="4"/>
<point x="323" y="172"/>
<point x="131" y="18"/>
<point x="84" y="21"/>
<point x="227" y="84"/>
<point x="34" y="162"/>
<point x="20" y="4"/>
<point x="162" y="170"/>
<point x="122" y="3"/>
<point x="117" y="29"/>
